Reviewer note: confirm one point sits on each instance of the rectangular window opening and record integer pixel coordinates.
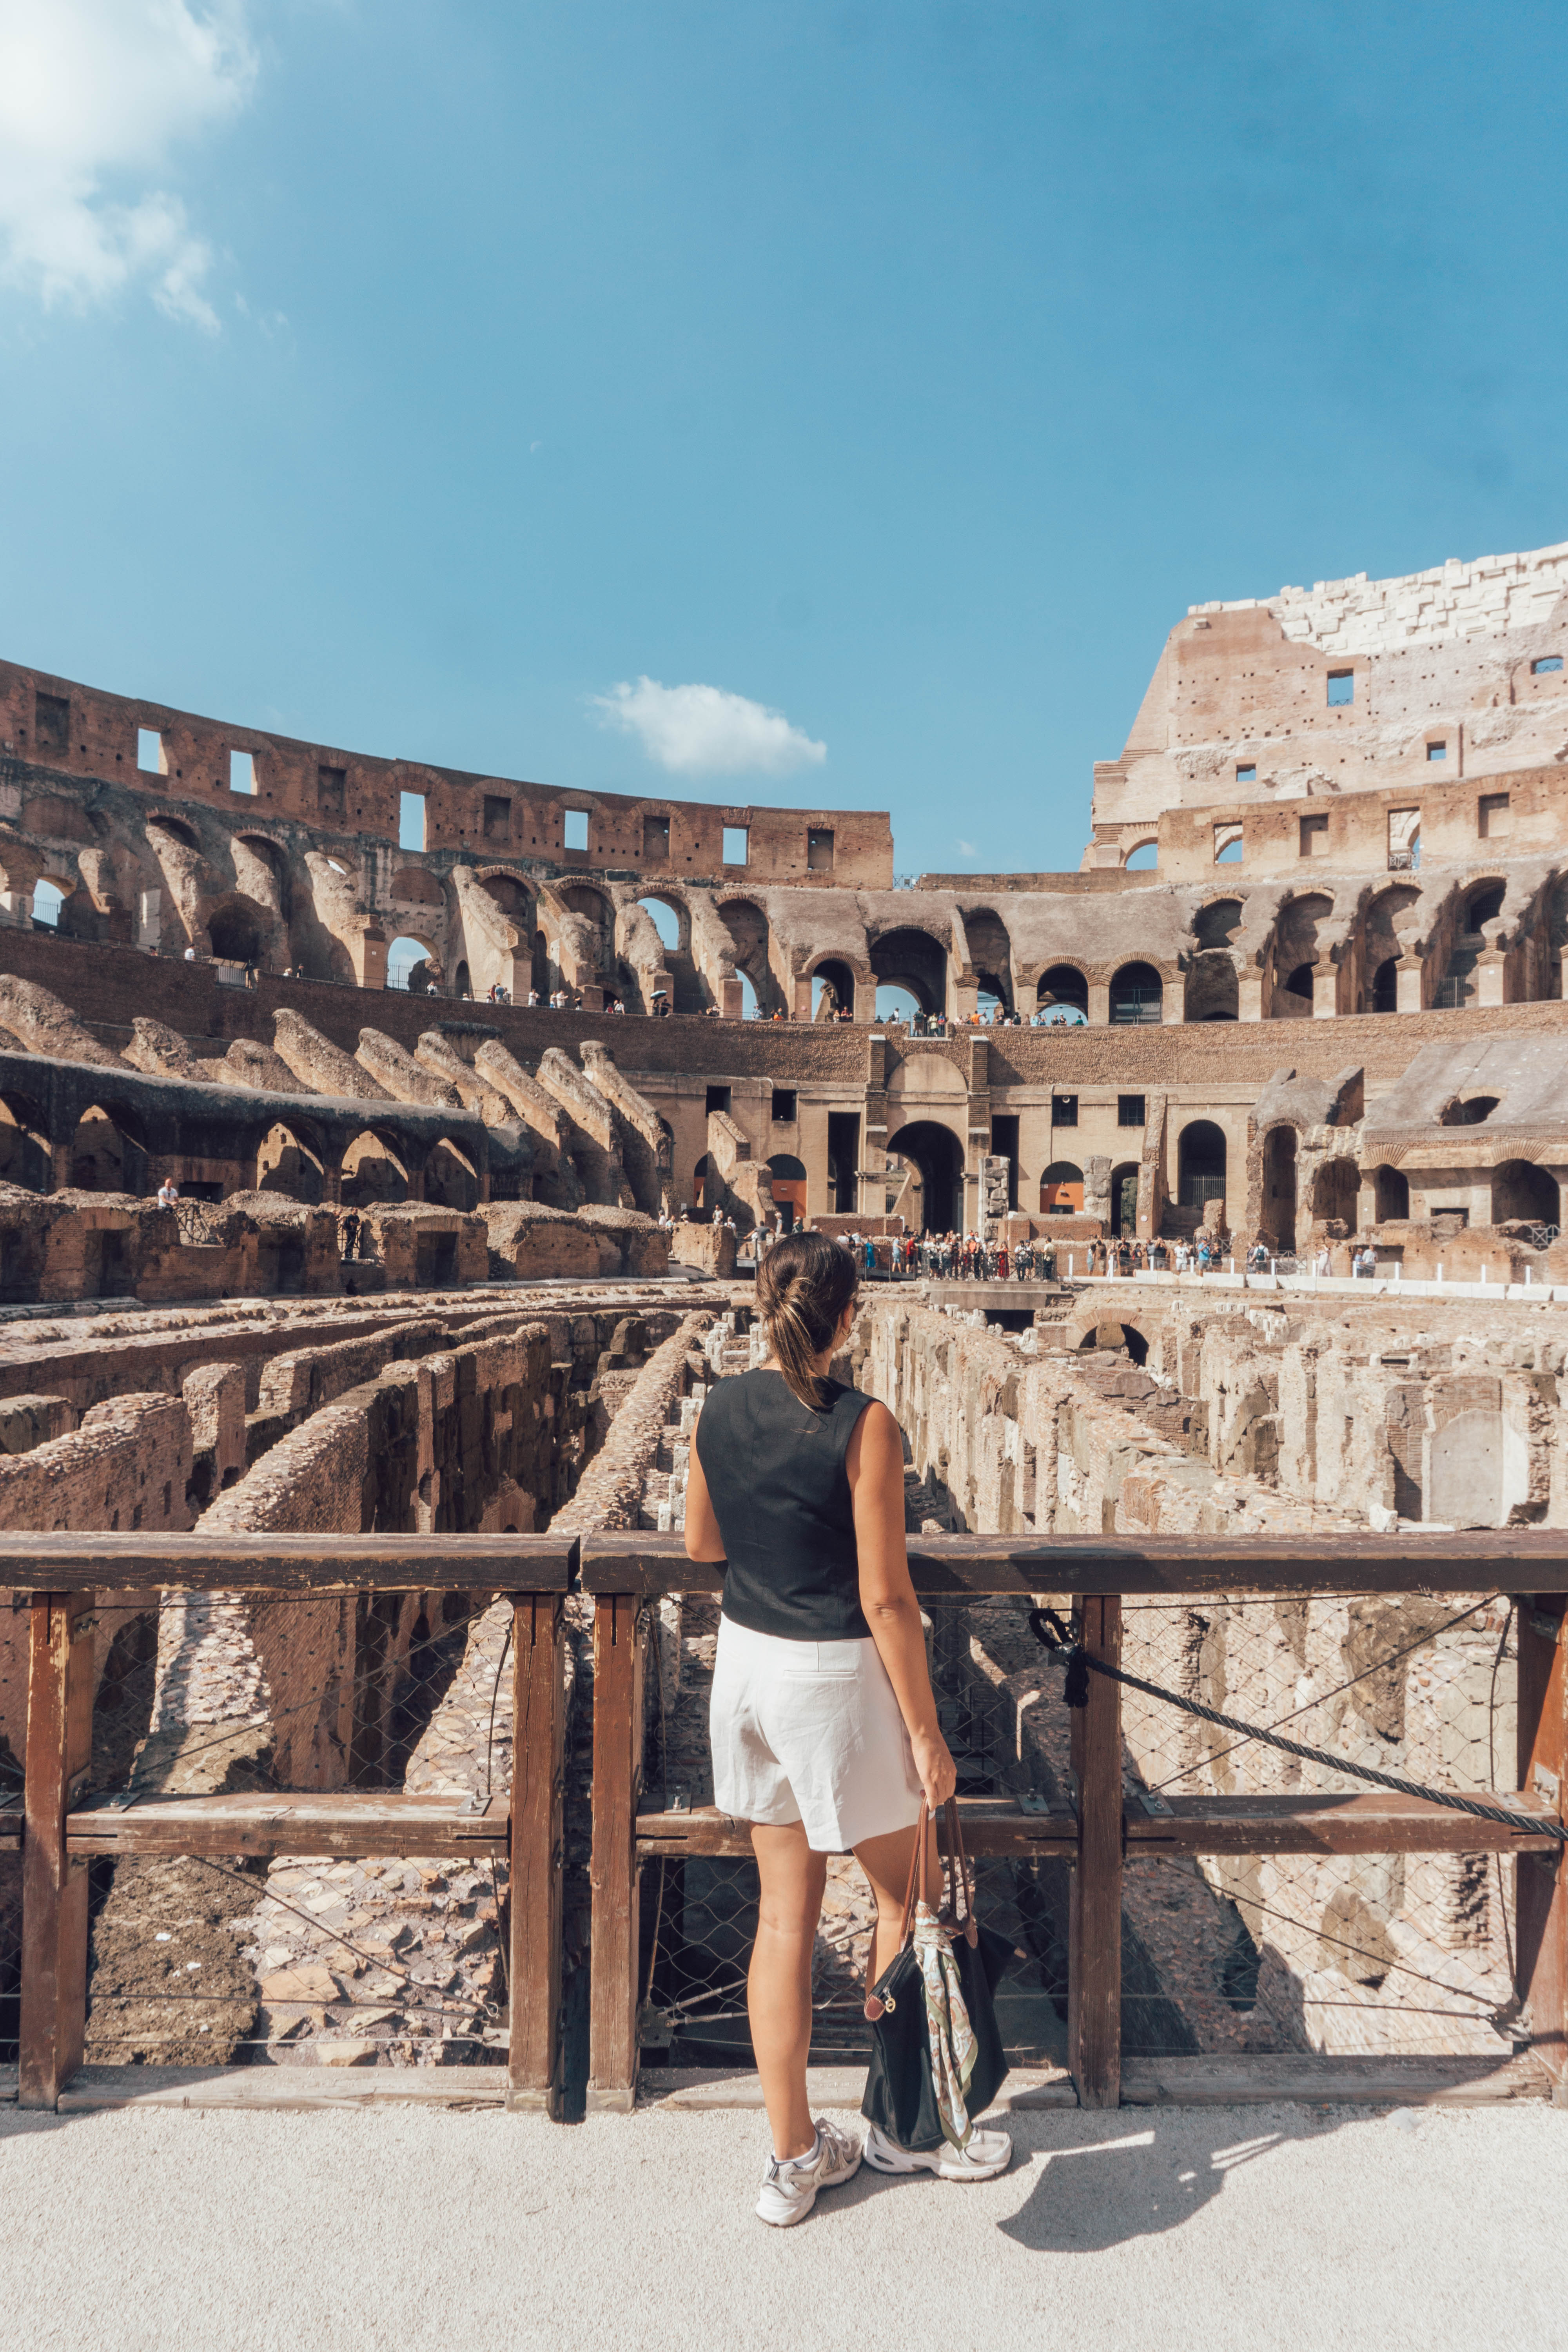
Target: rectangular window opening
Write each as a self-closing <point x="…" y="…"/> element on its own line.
<point x="735" y="845"/>
<point x="1546" y="665"/>
<point x="411" y="820"/>
<point x="575" y="829"/>
<point x="1494" y="817"/>
<point x="1403" y="840"/>
<point x="1342" y="687"/>
<point x="151" y="756"/>
<point x="1130" y="1111"/>
<point x="1246" y="775"/>
<point x="241" y="771"/>
<point x="1063" y="1110"/>
<point x="1436" y="751"/>
<point x="819" y="852"/>
<point x="1314" y="837"/>
<point x="783" y="1106"/>
<point x="52" y="722"/>
<point x="498" y="817"/>
<point x="719" y="1098"/>
<point x="1227" y="840"/>
<point x="330" y="788"/>
<point x="654" y="839"/>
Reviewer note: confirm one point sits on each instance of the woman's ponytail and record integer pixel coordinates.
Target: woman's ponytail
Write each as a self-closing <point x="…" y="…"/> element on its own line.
<point x="803" y="1285"/>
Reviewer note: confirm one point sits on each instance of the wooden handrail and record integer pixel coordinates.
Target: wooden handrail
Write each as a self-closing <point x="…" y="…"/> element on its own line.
<point x="960" y="1567"/>
<point x="70" y="1562"/>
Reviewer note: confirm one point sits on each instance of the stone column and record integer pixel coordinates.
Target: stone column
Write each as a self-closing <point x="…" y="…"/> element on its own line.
<point x="1407" y="983"/>
<point x="1099" y="1003"/>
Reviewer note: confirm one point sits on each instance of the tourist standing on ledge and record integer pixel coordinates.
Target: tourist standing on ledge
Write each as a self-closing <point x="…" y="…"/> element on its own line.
<point x="823" y="1722"/>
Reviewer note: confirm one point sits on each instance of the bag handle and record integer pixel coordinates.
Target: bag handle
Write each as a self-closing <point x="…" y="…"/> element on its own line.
<point x="962" y="1874"/>
<point x="918" y="1860"/>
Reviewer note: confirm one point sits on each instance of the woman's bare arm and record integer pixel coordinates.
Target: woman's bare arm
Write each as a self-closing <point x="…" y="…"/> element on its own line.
<point x="875" y="1463"/>
<point x="703" y="1540"/>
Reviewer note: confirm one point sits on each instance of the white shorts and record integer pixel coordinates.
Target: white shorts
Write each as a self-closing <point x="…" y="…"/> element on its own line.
<point x="809" y="1732"/>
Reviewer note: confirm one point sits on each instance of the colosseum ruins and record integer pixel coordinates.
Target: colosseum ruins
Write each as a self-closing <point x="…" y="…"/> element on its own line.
<point x="473" y="1142"/>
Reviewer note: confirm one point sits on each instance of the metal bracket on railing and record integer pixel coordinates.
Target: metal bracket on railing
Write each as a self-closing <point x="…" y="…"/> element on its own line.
<point x="1152" y="1802"/>
<point x="680" y="1801"/>
<point x="1034" y="1804"/>
<point x="1545" y="1627"/>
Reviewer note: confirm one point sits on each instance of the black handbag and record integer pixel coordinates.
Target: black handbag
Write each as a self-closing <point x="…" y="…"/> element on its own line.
<point x="900" y="2092"/>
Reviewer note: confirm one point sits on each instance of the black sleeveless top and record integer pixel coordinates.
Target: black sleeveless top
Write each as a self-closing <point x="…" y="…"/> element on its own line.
<point x="781" y="1494"/>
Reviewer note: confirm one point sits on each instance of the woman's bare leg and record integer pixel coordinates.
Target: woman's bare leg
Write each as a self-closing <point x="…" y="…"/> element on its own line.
<point x="886" y="1862"/>
<point x="778" y="1985"/>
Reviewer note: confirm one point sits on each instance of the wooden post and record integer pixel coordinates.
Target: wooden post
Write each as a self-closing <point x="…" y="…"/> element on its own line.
<point x="54" y="1893"/>
<point x="617" y="1777"/>
<point x="538" y="1780"/>
<point x="1543" y="1883"/>
<point x="1094" y="1922"/>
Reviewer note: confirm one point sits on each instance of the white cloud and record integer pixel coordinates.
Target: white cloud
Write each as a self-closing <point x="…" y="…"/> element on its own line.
<point x="702" y="731"/>
<point x="967" y="850"/>
<point x="94" y="94"/>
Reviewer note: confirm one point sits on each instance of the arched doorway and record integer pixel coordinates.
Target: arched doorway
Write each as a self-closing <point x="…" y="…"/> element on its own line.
<point x="236" y="935"/>
<point x="1124" y="1198"/>
<point x="832" y="990"/>
<point x="1523" y="1193"/>
<point x="938" y="1155"/>
<point x="788" y="1175"/>
<point x="1334" y="1194"/>
<point x="1062" y="995"/>
<point x="912" y="960"/>
<point x="1385" y="986"/>
<point x="1212" y="990"/>
<point x="411" y="964"/>
<point x="1137" y="995"/>
<point x="451" y="1181"/>
<point x="284" y="1164"/>
<point x="1280" y="1188"/>
<point x="1391" y="1194"/>
<point x="104" y="1158"/>
<point x="1061" y="1190"/>
<point x="372" y="1176"/>
<point x="1200" y="1164"/>
<point x="24" y="1156"/>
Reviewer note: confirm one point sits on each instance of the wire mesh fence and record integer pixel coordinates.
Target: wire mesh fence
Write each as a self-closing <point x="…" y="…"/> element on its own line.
<point x="1003" y="1719"/>
<point x="1363" y="1953"/>
<point x="230" y="1957"/>
<point x="1366" y="1954"/>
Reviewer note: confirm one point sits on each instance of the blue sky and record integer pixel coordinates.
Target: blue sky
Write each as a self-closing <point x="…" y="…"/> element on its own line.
<point x="421" y="376"/>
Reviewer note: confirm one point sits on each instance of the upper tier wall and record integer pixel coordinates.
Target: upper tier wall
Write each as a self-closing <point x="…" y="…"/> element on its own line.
<point x="84" y="731"/>
<point x="1357" y="686"/>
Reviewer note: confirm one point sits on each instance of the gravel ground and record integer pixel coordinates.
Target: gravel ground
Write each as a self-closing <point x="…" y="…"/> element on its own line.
<point x="1217" y="2228"/>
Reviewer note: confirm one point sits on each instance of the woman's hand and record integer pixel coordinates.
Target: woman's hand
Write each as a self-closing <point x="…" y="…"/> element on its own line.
<point x="933" y="1762"/>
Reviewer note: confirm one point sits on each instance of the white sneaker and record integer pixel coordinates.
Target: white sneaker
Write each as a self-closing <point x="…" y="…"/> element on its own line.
<point x="789" y="2189"/>
<point x="987" y="2153"/>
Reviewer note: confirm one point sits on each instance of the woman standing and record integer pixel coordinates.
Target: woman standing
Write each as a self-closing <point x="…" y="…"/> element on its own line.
<point x="822" y="1718"/>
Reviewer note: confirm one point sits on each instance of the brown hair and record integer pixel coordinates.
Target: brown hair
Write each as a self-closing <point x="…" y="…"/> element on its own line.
<point x="803" y="1283"/>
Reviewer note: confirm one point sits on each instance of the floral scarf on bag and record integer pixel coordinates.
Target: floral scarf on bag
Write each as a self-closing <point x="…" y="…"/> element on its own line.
<point x="952" y="2044"/>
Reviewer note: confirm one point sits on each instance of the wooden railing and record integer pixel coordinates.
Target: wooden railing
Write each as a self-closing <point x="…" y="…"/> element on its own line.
<point x="61" y="1827"/>
<point x="625" y="1573"/>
